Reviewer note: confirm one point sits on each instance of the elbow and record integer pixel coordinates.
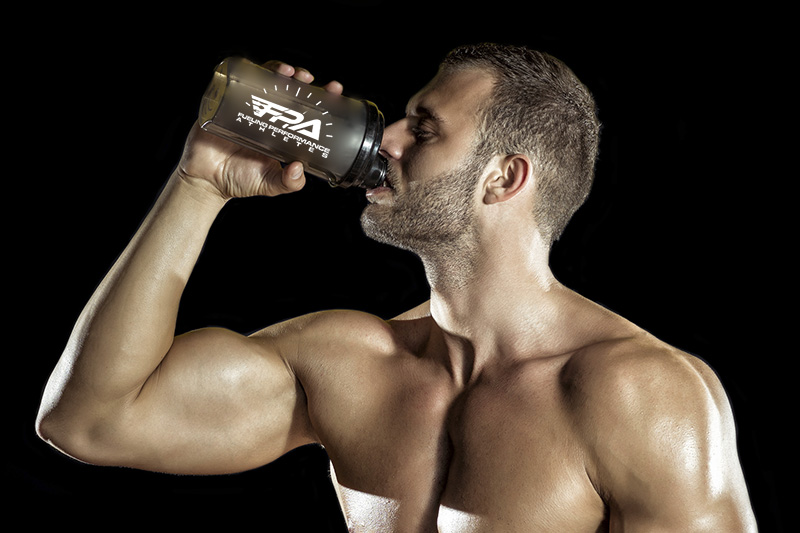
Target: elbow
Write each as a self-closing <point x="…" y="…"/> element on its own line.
<point x="53" y="424"/>
<point x="56" y="433"/>
<point x="68" y="437"/>
<point x="83" y="429"/>
<point x="46" y="426"/>
<point x="42" y="427"/>
<point x="65" y="423"/>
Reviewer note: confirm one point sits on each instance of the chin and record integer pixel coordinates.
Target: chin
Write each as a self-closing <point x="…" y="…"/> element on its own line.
<point x="377" y="226"/>
<point x="373" y="228"/>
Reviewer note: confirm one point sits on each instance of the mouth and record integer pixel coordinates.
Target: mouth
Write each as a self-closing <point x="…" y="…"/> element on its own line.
<point x="381" y="193"/>
<point x="384" y="189"/>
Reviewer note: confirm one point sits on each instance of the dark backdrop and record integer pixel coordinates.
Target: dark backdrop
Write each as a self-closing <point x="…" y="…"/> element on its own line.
<point x="683" y="233"/>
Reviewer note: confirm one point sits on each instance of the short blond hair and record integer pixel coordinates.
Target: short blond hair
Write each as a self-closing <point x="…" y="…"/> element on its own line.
<point x="538" y="107"/>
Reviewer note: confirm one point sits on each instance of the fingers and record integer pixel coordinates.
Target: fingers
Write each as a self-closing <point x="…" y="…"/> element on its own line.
<point x="293" y="178"/>
<point x="271" y="178"/>
<point x="334" y="87"/>
<point x="279" y="67"/>
<point x="301" y="74"/>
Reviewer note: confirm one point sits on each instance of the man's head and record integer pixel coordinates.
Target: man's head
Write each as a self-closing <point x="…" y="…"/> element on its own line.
<point x="487" y="103"/>
<point x="539" y="108"/>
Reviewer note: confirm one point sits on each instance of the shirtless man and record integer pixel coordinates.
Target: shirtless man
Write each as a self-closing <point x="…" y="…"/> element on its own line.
<point x="507" y="403"/>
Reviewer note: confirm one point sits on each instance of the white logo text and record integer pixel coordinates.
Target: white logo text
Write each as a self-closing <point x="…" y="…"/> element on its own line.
<point x="292" y="119"/>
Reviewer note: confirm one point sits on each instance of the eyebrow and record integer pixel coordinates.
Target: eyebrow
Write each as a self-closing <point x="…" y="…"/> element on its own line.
<point x="424" y="112"/>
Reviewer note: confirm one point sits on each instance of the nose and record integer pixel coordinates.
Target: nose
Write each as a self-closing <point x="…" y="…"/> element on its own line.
<point x="392" y="144"/>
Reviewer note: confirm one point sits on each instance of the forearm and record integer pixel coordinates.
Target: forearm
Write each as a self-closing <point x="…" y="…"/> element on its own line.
<point x="128" y="324"/>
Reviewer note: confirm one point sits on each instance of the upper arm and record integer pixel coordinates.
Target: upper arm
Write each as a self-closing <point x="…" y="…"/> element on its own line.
<point x="219" y="402"/>
<point x="663" y="442"/>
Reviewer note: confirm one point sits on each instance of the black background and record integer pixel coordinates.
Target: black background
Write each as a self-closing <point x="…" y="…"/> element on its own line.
<point x="686" y="232"/>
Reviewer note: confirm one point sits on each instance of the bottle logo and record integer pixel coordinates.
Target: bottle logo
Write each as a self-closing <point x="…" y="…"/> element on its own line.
<point x="292" y="120"/>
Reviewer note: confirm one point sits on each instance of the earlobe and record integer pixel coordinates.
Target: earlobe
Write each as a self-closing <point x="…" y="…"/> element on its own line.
<point x="510" y="178"/>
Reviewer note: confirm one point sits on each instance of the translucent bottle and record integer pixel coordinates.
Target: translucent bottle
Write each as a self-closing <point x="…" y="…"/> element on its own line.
<point x="335" y="137"/>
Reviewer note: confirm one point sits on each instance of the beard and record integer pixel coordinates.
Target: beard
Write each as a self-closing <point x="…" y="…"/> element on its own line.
<point x="433" y="218"/>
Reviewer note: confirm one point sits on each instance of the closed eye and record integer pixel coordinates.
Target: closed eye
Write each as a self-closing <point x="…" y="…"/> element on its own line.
<point x="421" y="134"/>
<point x="425" y="129"/>
<point x="425" y="123"/>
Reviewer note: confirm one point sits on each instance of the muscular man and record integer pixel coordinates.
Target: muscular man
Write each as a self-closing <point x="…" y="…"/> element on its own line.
<point x="507" y="403"/>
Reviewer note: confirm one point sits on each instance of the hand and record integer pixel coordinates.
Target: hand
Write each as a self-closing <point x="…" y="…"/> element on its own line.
<point x="233" y="171"/>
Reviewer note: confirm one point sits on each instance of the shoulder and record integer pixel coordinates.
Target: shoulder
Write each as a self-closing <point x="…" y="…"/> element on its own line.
<point x="653" y="418"/>
<point x="344" y="322"/>
<point x="641" y="381"/>
<point x="635" y="372"/>
<point x="337" y="338"/>
<point x="330" y="331"/>
<point x="615" y="363"/>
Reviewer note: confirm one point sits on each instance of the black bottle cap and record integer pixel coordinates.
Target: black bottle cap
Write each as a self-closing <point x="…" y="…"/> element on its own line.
<point x="369" y="168"/>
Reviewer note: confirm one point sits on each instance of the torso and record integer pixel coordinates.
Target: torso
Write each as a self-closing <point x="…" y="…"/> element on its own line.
<point x="411" y="452"/>
<point x="516" y="463"/>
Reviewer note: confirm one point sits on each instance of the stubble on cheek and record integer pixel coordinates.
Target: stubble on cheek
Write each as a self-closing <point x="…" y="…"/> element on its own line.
<point x="436" y="212"/>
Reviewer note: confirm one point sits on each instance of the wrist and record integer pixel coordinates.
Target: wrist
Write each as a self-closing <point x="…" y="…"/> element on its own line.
<point x="199" y="190"/>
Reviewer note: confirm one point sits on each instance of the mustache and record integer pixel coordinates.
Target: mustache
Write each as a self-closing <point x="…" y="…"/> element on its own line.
<point x="392" y="176"/>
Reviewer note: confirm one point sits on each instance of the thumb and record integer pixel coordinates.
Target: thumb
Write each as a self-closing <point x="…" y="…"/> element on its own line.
<point x="293" y="177"/>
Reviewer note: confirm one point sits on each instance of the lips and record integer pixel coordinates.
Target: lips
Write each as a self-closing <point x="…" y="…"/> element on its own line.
<point x="380" y="194"/>
<point x="377" y="194"/>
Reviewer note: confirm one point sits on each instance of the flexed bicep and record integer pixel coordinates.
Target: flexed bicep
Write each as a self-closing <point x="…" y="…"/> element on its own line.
<point x="219" y="403"/>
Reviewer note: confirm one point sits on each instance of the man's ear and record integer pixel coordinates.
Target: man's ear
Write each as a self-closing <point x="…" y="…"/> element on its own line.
<point x="509" y="178"/>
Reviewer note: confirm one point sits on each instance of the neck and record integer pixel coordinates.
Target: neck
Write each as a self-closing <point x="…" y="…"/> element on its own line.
<point x="500" y="303"/>
<point x="486" y="304"/>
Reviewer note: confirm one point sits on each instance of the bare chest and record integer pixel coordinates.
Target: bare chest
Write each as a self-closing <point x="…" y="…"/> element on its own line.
<point x="516" y="463"/>
<point x="413" y="455"/>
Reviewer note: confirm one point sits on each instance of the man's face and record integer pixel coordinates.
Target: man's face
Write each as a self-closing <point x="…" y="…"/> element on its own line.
<point x="433" y="170"/>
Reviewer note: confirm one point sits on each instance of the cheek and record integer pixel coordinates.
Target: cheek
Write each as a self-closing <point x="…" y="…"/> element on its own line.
<point x="416" y="165"/>
<point x="427" y="161"/>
